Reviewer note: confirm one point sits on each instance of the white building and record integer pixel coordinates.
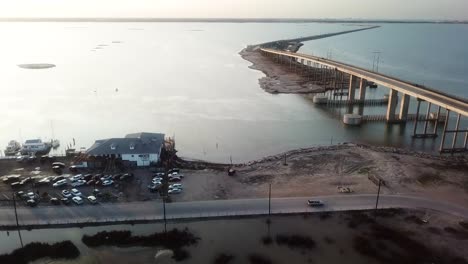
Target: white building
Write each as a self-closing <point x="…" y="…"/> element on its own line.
<point x="140" y="149"/>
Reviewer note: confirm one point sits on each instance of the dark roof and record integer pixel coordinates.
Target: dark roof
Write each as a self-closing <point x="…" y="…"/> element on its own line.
<point x="142" y="143"/>
<point x="30" y="141"/>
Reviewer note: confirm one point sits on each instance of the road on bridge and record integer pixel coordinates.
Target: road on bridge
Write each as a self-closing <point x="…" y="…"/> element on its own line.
<point x="153" y="210"/>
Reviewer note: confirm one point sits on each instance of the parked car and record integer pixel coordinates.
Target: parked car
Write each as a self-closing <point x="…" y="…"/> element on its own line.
<point x="54" y="201"/>
<point x="153" y="187"/>
<point x="57" y="178"/>
<point x="76" y="177"/>
<point x="91" y="182"/>
<point x="78" y="200"/>
<point x="66" y="193"/>
<point x="31" y="195"/>
<point x="58" y="164"/>
<point x="116" y="177"/>
<point x="16" y="185"/>
<point x="26" y="180"/>
<point x="174" y="170"/>
<point x="73" y="168"/>
<point x="106" y="177"/>
<point x="174" y="191"/>
<point x="60" y="183"/>
<point x="10" y="179"/>
<point x="107" y="183"/>
<point x="176" y="186"/>
<point x="87" y="177"/>
<point x="75" y="192"/>
<point x="315" y="203"/>
<point x="159" y="174"/>
<point x="92" y="199"/>
<point x="175" y="179"/>
<point x="157" y="179"/>
<point x="65" y="200"/>
<point x="126" y="176"/>
<point x="57" y="170"/>
<point x="78" y="183"/>
<point x="44" y="181"/>
<point x="31" y="202"/>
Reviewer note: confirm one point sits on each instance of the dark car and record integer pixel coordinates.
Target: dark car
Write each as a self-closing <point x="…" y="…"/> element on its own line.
<point x="31" y="202"/>
<point x="87" y="177"/>
<point x="57" y="169"/>
<point x="65" y="200"/>
<point x="57" y="178"/>
<point x="24" y="181"/>
<point x="175" y="179"/>
<point x="315" y="203"/>
<point x="10" y="179"/>
<point x="174" y="170"/>
<point x="59" y="164"/>
<point x="54" y="201"/>
<point x="116" y="177"/>
<point x="16" y="185"/>
<point x="127" y="176"/>
<point x="73" y="168"/>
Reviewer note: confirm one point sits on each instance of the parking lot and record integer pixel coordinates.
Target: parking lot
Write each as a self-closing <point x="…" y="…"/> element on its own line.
<point x="46" y="186"/>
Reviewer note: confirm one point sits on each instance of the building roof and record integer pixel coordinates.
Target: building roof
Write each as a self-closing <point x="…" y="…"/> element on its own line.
<point x="137" y="143"/>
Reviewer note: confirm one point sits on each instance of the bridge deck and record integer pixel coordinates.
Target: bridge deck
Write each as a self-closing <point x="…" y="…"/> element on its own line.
<point x="450" y="102"/>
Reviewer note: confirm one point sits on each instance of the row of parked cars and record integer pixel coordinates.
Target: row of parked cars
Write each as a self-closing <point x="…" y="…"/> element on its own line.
<point x="174" y="176"/>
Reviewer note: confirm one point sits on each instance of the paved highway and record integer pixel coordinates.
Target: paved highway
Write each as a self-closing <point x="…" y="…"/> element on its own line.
<point x="455" y="104"/>
<point x="153" y="210"/>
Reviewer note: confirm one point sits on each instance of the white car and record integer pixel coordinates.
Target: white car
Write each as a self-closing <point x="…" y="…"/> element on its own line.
<point x="76" y="177"/>
<point x="157" y="179"/>
<point x="78" y="183"/>
<point x="174" y="191"/>
<point x="75" y="192"/>
<point x="176" y="186"/>
<point x="31" y="195"/>
<point x="92" y="199"/>
<point x="77" y="200"/>
<point x="60" y="183"/>
<point x="107" y="183"/>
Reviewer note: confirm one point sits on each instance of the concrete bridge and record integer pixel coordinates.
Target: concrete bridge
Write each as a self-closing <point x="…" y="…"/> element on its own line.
<point x="358" y="78"/>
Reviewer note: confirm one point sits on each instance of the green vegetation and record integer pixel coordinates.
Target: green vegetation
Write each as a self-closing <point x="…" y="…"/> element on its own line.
<point x="36" y="250"/>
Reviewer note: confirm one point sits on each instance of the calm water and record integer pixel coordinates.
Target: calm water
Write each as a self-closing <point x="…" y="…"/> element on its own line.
<point x="187" y="80"/>
<point x="235" y="237"/>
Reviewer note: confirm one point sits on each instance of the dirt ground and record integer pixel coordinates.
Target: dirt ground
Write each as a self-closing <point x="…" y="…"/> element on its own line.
<point x="278" y="79"/>
<point x="308" y="172"/>
<point x="321" y="171"/>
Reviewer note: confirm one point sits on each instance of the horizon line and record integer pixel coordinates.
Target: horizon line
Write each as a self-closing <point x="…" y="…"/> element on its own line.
<point x="261" y="20"/>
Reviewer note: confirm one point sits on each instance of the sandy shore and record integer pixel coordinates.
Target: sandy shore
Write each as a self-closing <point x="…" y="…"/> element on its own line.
<point x="278" y="79"/>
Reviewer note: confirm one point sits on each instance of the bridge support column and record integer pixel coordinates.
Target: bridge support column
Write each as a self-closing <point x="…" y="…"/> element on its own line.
<point x="415" y="128"/>
<point x="442" y="141"/>
<point x="362" y="89"/>
<point x="352" y="88"/>
<point x="457" y="125"/>
<point x="404" y="104"/>
<point x="392" y="102"/>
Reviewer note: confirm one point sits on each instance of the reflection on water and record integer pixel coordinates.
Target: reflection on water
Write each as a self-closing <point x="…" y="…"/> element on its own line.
<point x="166" y="77"/>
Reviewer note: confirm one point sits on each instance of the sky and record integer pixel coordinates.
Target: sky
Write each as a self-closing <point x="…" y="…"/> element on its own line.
<point x="369" y="9"/>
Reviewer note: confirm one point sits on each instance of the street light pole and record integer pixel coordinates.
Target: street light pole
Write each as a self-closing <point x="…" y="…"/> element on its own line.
<point x="17" y="222"/>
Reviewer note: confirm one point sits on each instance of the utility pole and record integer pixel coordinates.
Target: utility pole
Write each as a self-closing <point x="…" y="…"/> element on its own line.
<point x="164" y="210"/>
<point x="17" y="222"/>
<point x="378" y="195"/>
<point x="269" y="201"/>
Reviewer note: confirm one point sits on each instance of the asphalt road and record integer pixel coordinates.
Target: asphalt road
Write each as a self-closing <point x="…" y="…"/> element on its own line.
<point x="153" y="210"/>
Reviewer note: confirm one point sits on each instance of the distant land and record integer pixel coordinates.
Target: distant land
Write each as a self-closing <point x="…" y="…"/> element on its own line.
<point x="232" y="20"/>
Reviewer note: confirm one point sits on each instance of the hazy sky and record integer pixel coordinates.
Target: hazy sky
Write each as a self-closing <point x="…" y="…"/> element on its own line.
<point x="394" y="9"/>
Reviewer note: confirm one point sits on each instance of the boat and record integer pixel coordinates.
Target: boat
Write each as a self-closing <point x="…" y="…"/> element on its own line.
<point x="12" y="148"/>
<point x="36" y="146"/>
